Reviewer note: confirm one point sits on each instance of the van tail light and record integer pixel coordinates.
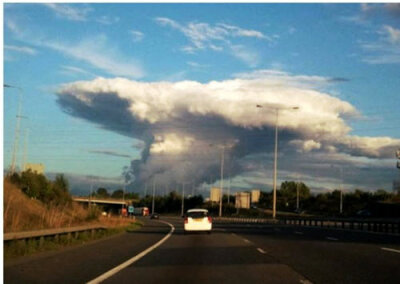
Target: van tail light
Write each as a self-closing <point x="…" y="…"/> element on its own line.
<point x="186" y="220"/>
<point x="209" y="219"/>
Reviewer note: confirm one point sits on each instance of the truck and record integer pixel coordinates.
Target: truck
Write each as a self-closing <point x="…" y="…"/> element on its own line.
<point x="141" y="211"/>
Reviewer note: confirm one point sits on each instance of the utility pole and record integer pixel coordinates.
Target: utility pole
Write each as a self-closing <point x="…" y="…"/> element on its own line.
<point x="17" y="127"/>
<point x="25" y="149"/>
<point x="222" y="181"/>
<point x="145" y="189"/>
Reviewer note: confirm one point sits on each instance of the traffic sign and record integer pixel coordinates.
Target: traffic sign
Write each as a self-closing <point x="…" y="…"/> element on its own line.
<point x="130" y="209"/>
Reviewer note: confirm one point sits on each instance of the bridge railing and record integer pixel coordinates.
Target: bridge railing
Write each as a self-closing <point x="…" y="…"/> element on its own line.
<point x="70" y="232"/>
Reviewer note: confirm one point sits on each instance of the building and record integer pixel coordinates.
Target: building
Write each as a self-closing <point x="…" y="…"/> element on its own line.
<point x="35" y="168"/>
<point x="255" y="195"/>
<point x="215" y="194"/>
<point x="242" y="200"/>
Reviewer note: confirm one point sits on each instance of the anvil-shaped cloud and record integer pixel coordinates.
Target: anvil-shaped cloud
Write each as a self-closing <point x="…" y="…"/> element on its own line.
<point x="184" y="125"/>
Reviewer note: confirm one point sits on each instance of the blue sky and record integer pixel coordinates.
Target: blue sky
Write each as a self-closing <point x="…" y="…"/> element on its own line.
<point x="351" y="52"/>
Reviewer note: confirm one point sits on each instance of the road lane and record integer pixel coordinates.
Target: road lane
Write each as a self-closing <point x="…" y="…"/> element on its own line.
<point x="327" y="256"/>
<point x="202" y="258"/>
<point x="83" y="263"/>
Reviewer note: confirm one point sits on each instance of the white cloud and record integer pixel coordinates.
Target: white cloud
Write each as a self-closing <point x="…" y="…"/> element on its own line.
<point x="21" y="49"/>
<point x="251" y="58"/>
<point x="73" y="13"/>
<point x="178" y="121"/>
<point x="95" y="51"/>
<point x="136" y="35"/>
<point x="386" y="50"/>
<point x="217" y="38"/>
<point x="107" y="20"/>
<point x="72" y="70"/>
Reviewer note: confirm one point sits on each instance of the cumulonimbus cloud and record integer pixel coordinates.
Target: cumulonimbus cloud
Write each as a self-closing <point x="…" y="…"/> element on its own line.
<point x="186" y="125"/>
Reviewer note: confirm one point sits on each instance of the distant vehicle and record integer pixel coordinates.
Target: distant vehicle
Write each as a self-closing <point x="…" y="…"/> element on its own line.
<point x="197" y="220"/>
<point x="364" y="213"/>
<point x="141" y="211"/>
<point x="155" y="216"/>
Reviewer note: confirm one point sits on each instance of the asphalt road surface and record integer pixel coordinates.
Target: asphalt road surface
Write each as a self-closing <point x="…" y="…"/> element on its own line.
<point x="233" y="253"/>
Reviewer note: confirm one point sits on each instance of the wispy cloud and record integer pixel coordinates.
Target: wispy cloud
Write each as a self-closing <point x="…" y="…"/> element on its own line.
<point x="72" y="70"/>
<point x="386" y="50"/>
<point x="21" y="49"/>
<point x="216" y="37"/>
<point x="95" y="51"/>
<point x="136" y="35"/>
<point x="73" y="13"/>
<point x="106" y="20"/>
<point x="251" y="58"/>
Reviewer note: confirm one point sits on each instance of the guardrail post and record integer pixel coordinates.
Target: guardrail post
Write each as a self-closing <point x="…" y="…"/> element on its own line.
<point x="41" y="241"/>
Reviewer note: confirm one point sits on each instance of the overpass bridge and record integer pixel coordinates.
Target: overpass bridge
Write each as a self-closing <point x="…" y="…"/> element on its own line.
<point x="107" y="204"/>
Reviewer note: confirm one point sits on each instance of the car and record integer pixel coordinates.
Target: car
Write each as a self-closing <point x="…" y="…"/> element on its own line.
<point x="154" y="216"/>
<point x="197" y="220"/>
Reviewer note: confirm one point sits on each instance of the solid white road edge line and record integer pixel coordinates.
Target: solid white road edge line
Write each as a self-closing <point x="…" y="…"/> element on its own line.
<point x="246" y="241"/>
<point x="115" y="270"/>
<point x="392" y="250"/>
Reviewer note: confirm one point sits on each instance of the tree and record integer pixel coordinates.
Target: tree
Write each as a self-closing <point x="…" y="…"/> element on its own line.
<point x="119" y="193"/>
<point x="61" y="183"/>
<point x="102" y="192"/>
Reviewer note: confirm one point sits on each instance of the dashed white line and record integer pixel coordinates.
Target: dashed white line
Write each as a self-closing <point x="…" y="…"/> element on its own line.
<point x="246" y="240"/>
<point x="125" y="264"/>
<point x="304" y="281"/>
<point x="261" y="250"/>
<point x="332" y="239"/>
<point x="391" y="250"/>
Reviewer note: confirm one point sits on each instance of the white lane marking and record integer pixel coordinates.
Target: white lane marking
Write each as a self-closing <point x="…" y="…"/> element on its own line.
<point x="305" y="281"/>
<point x="299" y="233"/>
<point x="261" y="250"/>
<point x="332" y="239"/>
<point x="392" y="250"/>
<point x="246" y="240"/>
<point x="125" y="264"/>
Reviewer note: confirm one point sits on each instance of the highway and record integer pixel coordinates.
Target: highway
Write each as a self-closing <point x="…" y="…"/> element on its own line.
<point x="233" y="253"/>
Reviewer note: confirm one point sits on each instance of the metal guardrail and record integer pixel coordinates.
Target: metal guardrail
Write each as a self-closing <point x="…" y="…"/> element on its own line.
<point x="41" y="234"/>
<point x="243" y="220"/>
<point x="368" y="225"/>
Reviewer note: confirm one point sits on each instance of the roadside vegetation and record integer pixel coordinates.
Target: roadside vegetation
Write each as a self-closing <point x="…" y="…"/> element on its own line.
<point x="32" y="202"/>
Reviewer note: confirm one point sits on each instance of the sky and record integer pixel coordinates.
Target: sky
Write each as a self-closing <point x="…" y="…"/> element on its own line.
<point x="133" y="94"/>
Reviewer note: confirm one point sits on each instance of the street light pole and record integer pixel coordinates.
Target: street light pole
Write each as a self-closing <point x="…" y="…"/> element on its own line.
<point x="183" y="198"/>
<point x="222" y="181"/>
<point x="275" y="164"/>
<point x="154" y="190"/>
<point x="276" y="155"/>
